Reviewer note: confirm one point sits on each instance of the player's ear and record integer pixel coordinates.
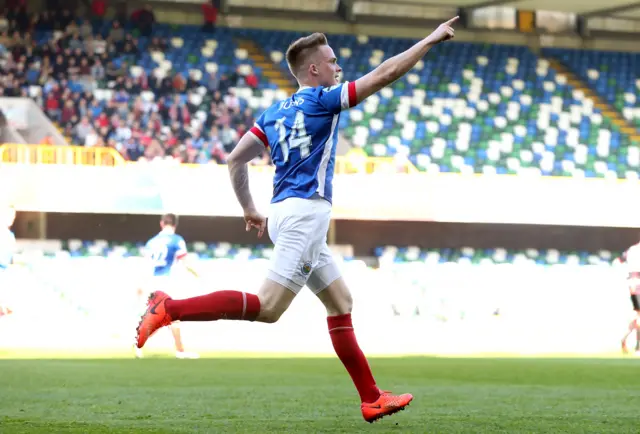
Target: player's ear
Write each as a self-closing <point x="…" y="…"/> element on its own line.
<point x="313" y="69"/>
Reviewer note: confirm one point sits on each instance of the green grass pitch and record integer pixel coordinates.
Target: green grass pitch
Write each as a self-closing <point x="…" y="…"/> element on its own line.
<point x="314" y="395"/>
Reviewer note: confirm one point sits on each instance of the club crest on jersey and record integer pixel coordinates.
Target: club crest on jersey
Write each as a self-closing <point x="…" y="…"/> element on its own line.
<point x="306" y="268"/>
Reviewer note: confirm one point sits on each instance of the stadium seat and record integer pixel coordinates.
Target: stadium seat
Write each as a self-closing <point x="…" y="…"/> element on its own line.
<point x="469" y="255"/>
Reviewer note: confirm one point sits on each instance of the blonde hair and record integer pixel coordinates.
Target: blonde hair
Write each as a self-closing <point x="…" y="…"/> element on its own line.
<point x="300" y="49"/>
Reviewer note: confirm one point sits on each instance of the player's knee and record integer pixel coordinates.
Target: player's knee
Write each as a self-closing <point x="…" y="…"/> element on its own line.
<point x="340" y="306"/>
<point x="271" y="310"/>
<point x="270" y="314"/>
<point x="269" y="317"/>
<point x="347" y="304"/>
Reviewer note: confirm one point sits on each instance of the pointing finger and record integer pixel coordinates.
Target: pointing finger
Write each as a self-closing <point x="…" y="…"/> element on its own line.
<point x="453" y="20"/>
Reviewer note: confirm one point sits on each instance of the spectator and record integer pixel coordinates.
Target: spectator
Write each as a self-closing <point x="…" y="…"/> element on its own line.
<point x="112" y="72"/>
<point x="82" y="130"/>
<point x="85" y="68"/>
<point x="228" y="137"/>
<point x="134" y="150"/>
<point x="52" y="106"/>
<point x="122" y="132"/>
<point x="144" y="19"/>
<point x="44" y="22"/>
<point x="212" y="82"/>
<point x="92" y="138"/>
<point x="83" y="109"/>
<point x="210" y="14"/>
<point x="4" y="23"/>
<point x="72" y="69"/>
<point x="192" y="82"/>
<point x="59" y="68"/>
<point x="130" y="48"/>
<point x="98" y="72"/>
<point x="252" y="80"/>
<point x="179" y="84"/>
<point x="68" y="113"/>
<point x="98" y="10"/>
<point x="85" y="30"/>
<point x="99" y="45"/>
<point x="231" y="100"/>
<point x="116" y="34"/>
<point x="197" y="140"/>
<point x="224" y="84"/>
<point x="157" y="44"/>
<point x="75" y="41"/>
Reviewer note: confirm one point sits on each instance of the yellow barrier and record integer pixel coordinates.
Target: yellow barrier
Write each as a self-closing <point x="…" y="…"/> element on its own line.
<point x="48" y="154"/>
<point x="78" y="155"/>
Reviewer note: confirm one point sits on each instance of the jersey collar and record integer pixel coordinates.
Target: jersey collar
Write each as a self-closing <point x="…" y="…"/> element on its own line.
<point x="303" y="88"/>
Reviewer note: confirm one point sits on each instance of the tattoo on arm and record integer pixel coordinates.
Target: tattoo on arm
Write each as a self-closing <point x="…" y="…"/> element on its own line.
<point x="240" y="180"/>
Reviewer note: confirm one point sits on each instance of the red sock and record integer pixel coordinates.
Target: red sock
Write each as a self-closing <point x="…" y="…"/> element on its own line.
<point x="217" y="305"/>
<point x="344" y="342"/>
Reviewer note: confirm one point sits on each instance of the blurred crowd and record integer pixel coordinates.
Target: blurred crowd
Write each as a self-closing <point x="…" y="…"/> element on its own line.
<point x="143" y="117"/>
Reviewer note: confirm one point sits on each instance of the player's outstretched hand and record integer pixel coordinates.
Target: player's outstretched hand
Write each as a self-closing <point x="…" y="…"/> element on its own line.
<point x="444" y="32"/>
<point x="254" y="219"/>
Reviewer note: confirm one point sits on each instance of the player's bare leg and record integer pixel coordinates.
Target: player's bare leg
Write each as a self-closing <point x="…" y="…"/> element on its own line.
<point x="375" y="402"/>
<point x="177" y="338"/>
<point x="271" y="302"/>
<point x="634" y="325"/>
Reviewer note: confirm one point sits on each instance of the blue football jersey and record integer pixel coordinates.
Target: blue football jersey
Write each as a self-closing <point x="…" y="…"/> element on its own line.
<point x="7" y="247"/>
<point x="302" y="132"/>
<point x="163" y="250"/>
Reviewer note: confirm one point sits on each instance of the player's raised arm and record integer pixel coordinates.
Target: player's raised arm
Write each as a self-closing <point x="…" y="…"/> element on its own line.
<point x="392" y="69"/>
<point x="248" y="148"/>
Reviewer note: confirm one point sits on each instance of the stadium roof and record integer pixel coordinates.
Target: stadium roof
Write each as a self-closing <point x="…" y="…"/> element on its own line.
<point x="620" y="8"/>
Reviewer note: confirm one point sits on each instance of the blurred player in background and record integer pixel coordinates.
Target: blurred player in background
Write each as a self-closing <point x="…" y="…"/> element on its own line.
<point x="302" y="134"/>
<point x="164" y="251"/>
<point x="7" y="249"/>
<point x="631" y="258"/>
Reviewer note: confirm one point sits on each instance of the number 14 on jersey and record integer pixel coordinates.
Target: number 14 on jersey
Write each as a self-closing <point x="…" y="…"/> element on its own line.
<point x="297" y="137"/>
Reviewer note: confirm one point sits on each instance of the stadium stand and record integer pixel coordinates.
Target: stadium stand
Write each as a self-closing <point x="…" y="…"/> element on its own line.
<point x="145" y="97"/>
<point x="469" y="255"/>
<point x="613" y="75"/>
<point x="468" y="108"/>
<point x="395" y="254"/>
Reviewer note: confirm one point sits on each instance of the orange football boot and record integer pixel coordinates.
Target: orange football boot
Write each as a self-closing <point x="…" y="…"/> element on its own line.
<point x="153" y="319"/>
<point x="386" y="405"/>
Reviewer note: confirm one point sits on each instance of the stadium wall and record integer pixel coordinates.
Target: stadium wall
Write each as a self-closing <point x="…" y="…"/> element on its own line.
<point x="364" y="236"/>
<point x="90" y="304"/>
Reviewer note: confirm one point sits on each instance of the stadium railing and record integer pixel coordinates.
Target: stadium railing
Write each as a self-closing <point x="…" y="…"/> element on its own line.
<point x="79" y="155"/>
<point x="48" y="154"/>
